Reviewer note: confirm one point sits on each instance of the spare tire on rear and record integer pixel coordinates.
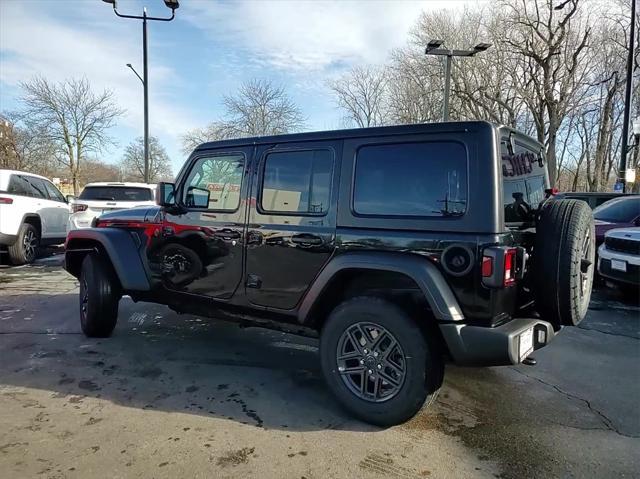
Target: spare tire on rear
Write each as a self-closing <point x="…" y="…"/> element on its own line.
<point x="563" y="261"/>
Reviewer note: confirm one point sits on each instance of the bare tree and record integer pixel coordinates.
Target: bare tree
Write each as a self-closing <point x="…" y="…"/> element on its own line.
<point x="132" y="164"/>
<point x="550" y="39"/>
<point x="215" y="131"/>
<point x="261" y="108"/>
<point x="362" y="94"/>
<point x="258" y="108"/>
<point x="24" y="148"/>
<point x="72" y="117"/>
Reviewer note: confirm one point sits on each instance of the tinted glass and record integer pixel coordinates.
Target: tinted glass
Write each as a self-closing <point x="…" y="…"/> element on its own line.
<point x="297" y="181"/>
<point x="411" y="179"/>
<point x="221" y="176"/>
<point x="524" y="181"/>
<point x="53" y="192"/>
<point x="19" y="186"/>
<point x="116" y="193"/>
<point x="37" y="186"/>
<point x="620" y="210"/>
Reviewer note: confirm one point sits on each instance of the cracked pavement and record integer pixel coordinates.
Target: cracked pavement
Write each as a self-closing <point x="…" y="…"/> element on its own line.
<point x="174" y="396"/>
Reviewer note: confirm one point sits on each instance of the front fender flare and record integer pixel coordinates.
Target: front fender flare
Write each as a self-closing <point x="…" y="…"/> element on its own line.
<point x="426" y="275"/>
<point x="120" y="247"/>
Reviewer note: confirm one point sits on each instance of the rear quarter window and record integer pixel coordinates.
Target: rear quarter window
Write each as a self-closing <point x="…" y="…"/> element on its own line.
<point x="524" y="180"/>
<point x="426" y="179"/>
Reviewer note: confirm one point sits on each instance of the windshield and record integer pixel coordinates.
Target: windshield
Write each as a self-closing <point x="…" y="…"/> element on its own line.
<point x="619" y="210"/>
<point x="116" y="193"/>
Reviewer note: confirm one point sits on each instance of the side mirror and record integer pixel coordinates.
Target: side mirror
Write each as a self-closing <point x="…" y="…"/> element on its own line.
<point x="197" y="197"/>
<point x="166" y="194"/>
<point x="70" y="198"/>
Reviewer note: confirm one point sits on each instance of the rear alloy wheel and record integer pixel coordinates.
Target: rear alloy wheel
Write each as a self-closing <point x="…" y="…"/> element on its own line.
<point x="99" y="298"/>
<point x="371" y="362"/>
<point x="25" y="249"/>
<point x="378" y="362"/>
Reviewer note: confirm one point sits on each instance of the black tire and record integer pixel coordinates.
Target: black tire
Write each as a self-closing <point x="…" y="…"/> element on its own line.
<point x="25" y="249"/>
<point x="424" y="368"/>
<point x="564" y="261"/>
<point x="99" y="298"/>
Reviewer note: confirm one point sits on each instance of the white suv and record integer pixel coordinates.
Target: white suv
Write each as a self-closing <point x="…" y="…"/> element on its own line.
<point x="619" y="258"/>
<point x="98" y="198"/>
<point x="33" y="212"/>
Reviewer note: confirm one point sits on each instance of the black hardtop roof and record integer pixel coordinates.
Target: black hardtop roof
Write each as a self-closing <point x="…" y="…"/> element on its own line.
<point x="441" y="127"/>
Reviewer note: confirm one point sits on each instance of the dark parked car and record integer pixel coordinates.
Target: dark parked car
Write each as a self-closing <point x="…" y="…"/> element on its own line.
<point x="620" y="212"/>
<point x="399" y="247"/>
<point x="593" y="199"/>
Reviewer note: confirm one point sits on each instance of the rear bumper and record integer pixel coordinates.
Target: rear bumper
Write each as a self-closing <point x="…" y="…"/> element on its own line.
<point x="7" y="240"/>
<point x="499" y="346"/>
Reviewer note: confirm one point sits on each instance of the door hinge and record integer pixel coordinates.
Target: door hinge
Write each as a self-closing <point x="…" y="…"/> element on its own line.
<point x="254" y="281"/>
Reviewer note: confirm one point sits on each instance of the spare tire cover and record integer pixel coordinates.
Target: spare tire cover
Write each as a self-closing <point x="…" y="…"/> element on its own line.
<point x="563" y="261"/>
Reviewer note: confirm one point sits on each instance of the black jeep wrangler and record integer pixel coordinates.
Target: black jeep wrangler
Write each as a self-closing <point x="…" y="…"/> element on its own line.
<point x="400" y="247"/>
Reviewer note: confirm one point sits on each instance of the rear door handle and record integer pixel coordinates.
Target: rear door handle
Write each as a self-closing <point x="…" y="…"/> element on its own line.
<point x="306" y="240"/>
<point x="227" y="234"/>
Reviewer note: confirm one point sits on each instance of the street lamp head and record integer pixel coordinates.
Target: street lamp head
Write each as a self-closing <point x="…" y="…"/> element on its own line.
<point x="172" y="4"/>
<point x="129" y="65"/>
<point x="112" y="2"/>
<point x="481" y="47"/>
<point x="433" y="44"/>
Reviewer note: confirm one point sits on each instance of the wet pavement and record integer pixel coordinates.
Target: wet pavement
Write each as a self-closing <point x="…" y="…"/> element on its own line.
<point x="181" y="396"/>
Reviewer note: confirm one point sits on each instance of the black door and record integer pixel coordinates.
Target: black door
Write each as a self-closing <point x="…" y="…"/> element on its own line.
<point x="292" y="222"/>
<point x="201" y="250"/>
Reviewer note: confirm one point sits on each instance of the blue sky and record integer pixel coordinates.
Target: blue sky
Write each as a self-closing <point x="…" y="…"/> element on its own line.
<point x="205" y="53"/>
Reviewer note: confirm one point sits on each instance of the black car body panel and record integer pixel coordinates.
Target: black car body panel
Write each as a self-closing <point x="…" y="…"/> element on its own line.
<point x="243" y="238"/>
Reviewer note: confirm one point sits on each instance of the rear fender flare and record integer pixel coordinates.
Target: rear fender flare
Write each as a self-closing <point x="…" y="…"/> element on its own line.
<point x="423" y="272"/>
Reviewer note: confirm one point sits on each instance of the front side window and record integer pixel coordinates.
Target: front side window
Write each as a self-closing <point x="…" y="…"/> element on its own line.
<point x="214" y="183"/>
<point x="297" y="182"/>
<point x="411" y="179"/>
<point x="37" y="186"/>
<point x="53" y="192"/>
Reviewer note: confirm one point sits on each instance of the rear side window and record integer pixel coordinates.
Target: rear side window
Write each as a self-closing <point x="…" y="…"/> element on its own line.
<point x="116" y="193"/>
<point x="19" y="186"/>
<point x="411" y="179"/>
<point x="297" y="182"/>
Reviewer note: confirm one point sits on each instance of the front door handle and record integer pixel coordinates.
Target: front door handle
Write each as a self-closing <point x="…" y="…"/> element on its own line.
<point x="306" y="240"/>
<point x="227" y="234"/>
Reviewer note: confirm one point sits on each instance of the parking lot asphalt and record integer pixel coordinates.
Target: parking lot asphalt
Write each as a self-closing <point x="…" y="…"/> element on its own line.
<point x="181" y="396"/>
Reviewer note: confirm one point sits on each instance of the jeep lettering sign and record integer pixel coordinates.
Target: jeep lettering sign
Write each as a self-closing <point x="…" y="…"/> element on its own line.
<point x="520" y="164"/>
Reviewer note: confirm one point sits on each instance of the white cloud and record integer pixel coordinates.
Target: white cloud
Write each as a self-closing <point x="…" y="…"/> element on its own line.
<point x="34" y="42"/>
<point x="312" y="35"/>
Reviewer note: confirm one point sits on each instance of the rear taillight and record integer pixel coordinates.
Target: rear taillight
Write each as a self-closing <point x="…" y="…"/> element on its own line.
<point x="5" y="201"/>
<point x="509" y="267"/>
<point x="77" y="207"/>
<point x="499" y="266"/>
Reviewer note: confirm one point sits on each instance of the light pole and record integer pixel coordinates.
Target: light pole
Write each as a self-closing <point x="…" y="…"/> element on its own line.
<point x="627" y="101"/>
<point x="172" y="4"/>
<point x="434" y="47"/>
